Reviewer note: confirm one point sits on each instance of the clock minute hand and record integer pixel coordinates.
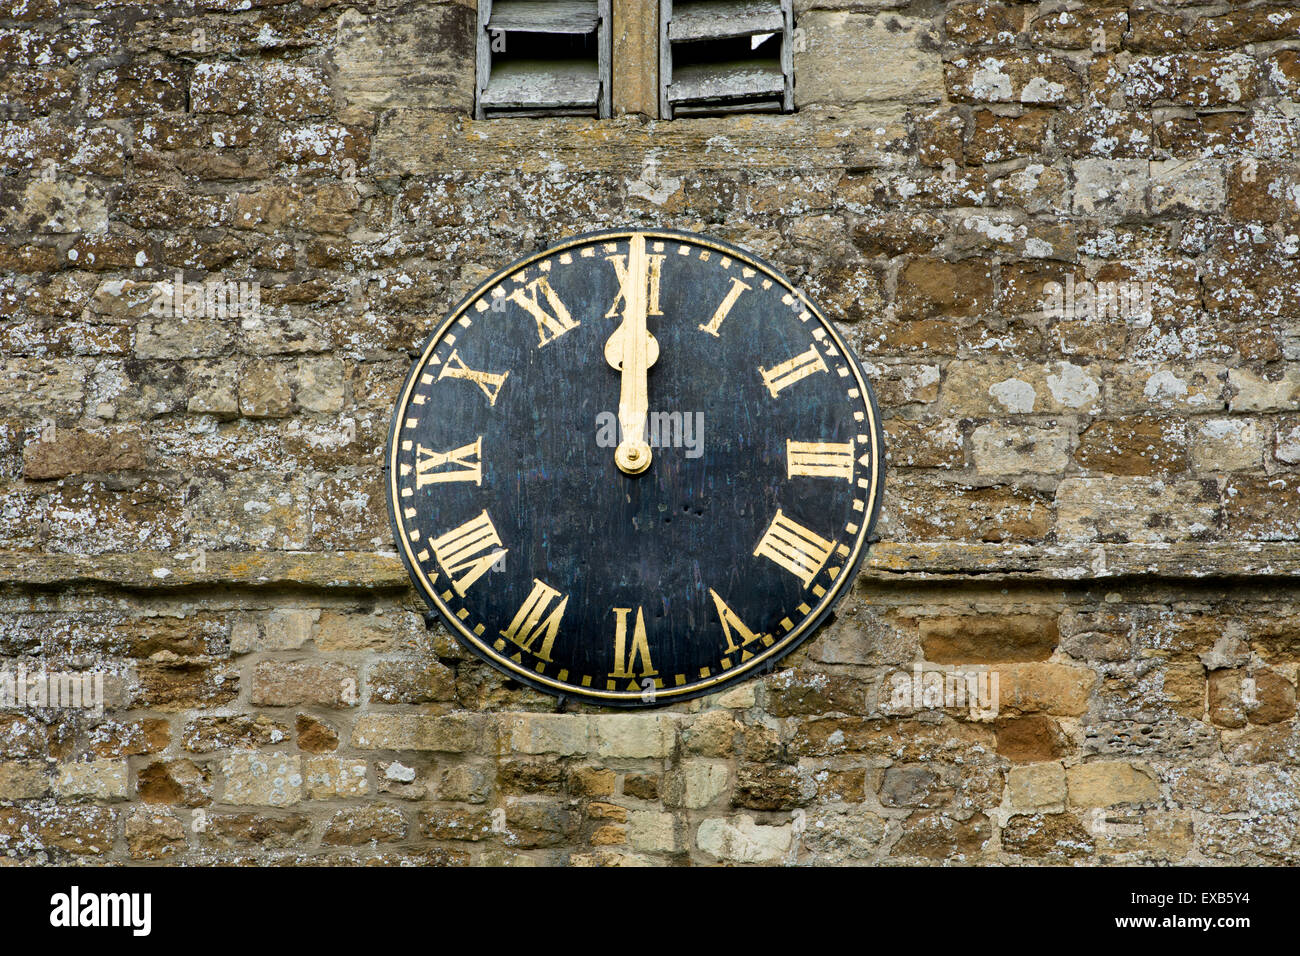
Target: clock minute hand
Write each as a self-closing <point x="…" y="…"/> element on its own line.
<point x="633" y="453"/>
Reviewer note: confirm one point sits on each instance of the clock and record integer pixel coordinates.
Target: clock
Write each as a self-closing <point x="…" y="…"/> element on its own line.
<point x="636" y="467"/>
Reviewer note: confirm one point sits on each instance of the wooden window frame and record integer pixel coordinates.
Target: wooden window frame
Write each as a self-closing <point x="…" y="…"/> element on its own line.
<point x="648" y="37"/>
<point x="710" y="91"/>
<point x="525" y="92"/>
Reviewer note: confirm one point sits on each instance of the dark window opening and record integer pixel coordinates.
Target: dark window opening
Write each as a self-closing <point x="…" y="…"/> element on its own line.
<point x="553" y="58"/>
<point x="543" y="57"/>
<point x="719" y="56"/>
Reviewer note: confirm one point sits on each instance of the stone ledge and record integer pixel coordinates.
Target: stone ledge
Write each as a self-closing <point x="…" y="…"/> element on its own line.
<point x="432" y="142"/>
<point x="166" y="570"/>
<point x="889" y="561"/>
<point x="1083" y="561"/>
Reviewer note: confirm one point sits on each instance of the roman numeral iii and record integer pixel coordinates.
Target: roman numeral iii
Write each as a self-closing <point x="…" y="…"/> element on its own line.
<point x="487" y="381"/>
<point x="792" y="546"/>
<point x="465" y="462"/>
<point x="550" y="325"/>
<point x="627" y="652"/>
<point x="532" y="620"/>
<point x="792" y="370"/>
<point x="819" y="459"/>
<point x="466" y="553"/>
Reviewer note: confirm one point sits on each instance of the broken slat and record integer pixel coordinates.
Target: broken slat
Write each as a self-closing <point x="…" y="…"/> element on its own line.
<point x="543" y="84"/>
<point x="695" y="34"/>
<point x="719" y="19"/>
<point x="726" y="81"/>
<point x="545" y="16"/>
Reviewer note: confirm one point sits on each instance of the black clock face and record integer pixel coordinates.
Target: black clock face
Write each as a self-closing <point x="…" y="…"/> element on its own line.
<point x="634" y="468"/>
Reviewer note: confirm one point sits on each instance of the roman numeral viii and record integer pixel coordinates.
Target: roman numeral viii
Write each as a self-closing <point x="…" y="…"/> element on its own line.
<point x="532" y="620"/>
<point x="467" y="552"/>
<point x="819" y="459"/>
<point x="465" y="464"/>
<point x="792" y="370"/>
<point x="550" y="325"/>
<point x="792" y="546"/>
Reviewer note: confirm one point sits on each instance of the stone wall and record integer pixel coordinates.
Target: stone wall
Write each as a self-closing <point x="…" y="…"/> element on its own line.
<point x="1100" y="504"/>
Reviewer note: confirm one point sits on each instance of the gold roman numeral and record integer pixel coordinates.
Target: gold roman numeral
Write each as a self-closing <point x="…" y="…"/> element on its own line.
<point x="801" y="552"/>
<point x="619" y="262"/>
<point x="465" y="462"/>
<point x="791" y="370"/>
<point x="490" y="383"/>
<point x="550" y="325"/>
<point x="625" y="653"/>
<point x="468" y="551"/>
<point x="723" y="310"/>
<point x="732" y="625"/>
<point x="819" y="459"/>
<point x="532" y="621"/>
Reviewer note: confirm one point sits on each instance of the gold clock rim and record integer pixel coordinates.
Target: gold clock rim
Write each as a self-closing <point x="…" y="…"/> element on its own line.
<point x="692" y="688"/>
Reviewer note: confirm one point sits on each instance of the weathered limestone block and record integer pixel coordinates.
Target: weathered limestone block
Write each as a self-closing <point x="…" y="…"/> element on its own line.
<point x="1013" y="77"/>
<point x="262" y="779"/>
<point x="903" y="61"/>
<point x="418" y="57"/>
<point x="1018" y="449"/>
<point x="1111" y="188"/>
<point x="1136" y="509"/>
<point x="1107" y="783"/>
<point x="55" y="207"/>
<point x="1037" y="786"/>
<point x="457" y="733"/>
<point x="742" y="840"/>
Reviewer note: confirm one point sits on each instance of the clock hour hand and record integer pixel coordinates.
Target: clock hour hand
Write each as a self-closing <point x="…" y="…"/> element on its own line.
<point x="632" y="350"/>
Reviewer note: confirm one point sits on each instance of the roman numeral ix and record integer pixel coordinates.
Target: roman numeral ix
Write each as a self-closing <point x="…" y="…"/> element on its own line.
<point x="465" y="464"/>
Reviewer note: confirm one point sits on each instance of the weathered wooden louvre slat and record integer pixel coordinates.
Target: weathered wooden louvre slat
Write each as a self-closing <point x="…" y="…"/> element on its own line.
<point x="545" y="16"/>
<point x="526" y="85"/>
<point x="725" y="81"/>
<point x="538" y="85"/>
<point x="717" y="19"/>
<point x="760" y="84"/>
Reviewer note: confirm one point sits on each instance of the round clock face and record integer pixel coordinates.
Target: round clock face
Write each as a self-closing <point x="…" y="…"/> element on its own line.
<point x="634" y="468"/>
